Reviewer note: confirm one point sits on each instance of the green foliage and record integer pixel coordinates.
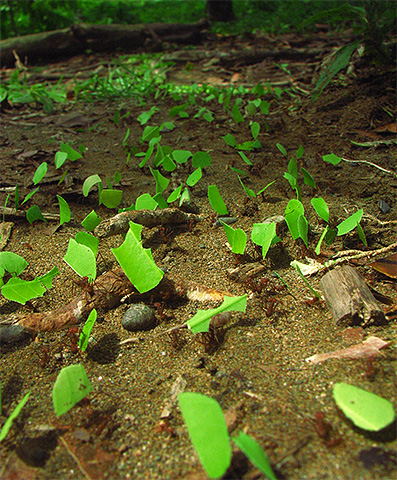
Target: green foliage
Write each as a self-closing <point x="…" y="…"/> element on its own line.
<point x="81" y="259"/>
<point x="91" y="221"/>
<point x="216" y="200"/>
<point x="264" y="235"/>
<point x="71" y="386"/>
<point x="207" y="429"/>
<point x="137" y="262"/>
<point x="365" y="409"/>
<point x="255" y="453"/>
<point x="87" y="329"/>
<point x="201" y="320"/>
<point x="237" y="238"/>
<point x="8" y="423"/>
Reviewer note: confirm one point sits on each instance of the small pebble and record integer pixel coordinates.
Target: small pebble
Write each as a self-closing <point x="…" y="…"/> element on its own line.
<point x="12" y="333"/>
<point x="139" y="317"/>
<point x="384" y="206"/>
<point x="227" y="220"/>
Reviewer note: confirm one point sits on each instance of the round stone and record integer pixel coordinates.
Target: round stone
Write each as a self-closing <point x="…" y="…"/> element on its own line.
<point x="139" y="317"/>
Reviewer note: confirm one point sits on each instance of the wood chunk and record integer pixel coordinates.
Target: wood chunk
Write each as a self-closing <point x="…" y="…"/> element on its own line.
<point x="349" y="298"/>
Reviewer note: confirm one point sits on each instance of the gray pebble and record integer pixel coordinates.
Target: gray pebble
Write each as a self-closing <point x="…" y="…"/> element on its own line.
<point x="227" y="220"/>
<point x="139" y="317"/>
<point x="384" y="206"/>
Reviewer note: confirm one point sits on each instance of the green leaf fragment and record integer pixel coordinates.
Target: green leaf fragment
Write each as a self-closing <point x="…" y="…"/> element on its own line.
<point x="40" y="173"/>
<point x="48" y="277"/>
<point x="350" y="223"/>
<point x="332" y="158"/>
<point x="64" y="210"/>
<point x="8" y="423"/>
<point x="71" y="152"/>
<point x="89" y="183"/>
<point x="201" y="159"/>
<point x="91" y="221"/>
<point x="201" y="320"/>
<point x="292" y="212"/>
<point x="194" y="177"/>
<point x="71" y="386"/>
<point x="33" y="214"/>
<point x="237" y="238"/>
<point x="81" y="259"/>
<point x="207" y="430"/>
<point x="255" y="453"/>
<point x="145" y="202"/>
<point x="365" y="409"/>
<point x="111" y="198"/>
<point x="21" y="291"/>
<point x="137" y="262"/>
<point x="216" y="200"/>
<point x="12" y="263"/>
<point x="264" y="234"/>
<point x="321" y="208"/>
<point x="88" y="240"/>
<point x="87" y="329"/>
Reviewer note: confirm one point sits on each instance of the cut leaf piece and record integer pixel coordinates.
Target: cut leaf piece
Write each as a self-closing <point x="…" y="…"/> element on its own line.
<point x="201" y="320"/>
<point x="145" y="202"/>
<point x="89" y="183"/>
<point x="201" y="160"/>
<point x="350" y="223"/>
<point x="207" y="429"/>
<point x="34" y="213"/>
<point x="332" y="158"/>
<point x="81" y="259"/>
<point x="216" y="200"/>
<point x="64" y="210"/>
<point x="111" y="198"/>
<point x="255" y="453"/>
<point x="48" y="277"/>
<point x="71" y="386"/>
<point x="137" y="262"/>
<point x="22" y="291"/>
<point x="88" y="240"/>
<point x="264" y="235"/>
<point x="365" y="409"/>
<point x="40" y="173"/>
<point x="8" y="423"/>
<point x="86" y="331"/>
<point x="237" y="238"/>
<point x="12" y="263"/>
<point x="194" y="177"/>
<point x="91" y="221"/>
<point x="321" y="208"/>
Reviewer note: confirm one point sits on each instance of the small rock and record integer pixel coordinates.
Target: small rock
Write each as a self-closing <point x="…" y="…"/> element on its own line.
<point x="384" y="207"/>
<point x="227" y="220"/>
<point x="139" y="317"/>
<point x="12" y="333"/>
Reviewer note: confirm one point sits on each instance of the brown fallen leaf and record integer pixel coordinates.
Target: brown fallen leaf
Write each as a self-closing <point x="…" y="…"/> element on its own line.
<point x="389" y="128"/>
<point x="387" y="265"/>
<point x="368" y="348"/>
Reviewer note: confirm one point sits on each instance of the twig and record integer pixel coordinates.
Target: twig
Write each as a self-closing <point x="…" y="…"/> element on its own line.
<point x="390" y="172"/>
<point x="75" y="458"/>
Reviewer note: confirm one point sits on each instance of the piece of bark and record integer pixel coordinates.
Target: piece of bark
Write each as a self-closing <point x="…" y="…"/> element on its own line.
<point x="119" y="224"/>
<point x="349" y="298"/>
<point x="368" y="348"/>
<point x="78" y="38"/>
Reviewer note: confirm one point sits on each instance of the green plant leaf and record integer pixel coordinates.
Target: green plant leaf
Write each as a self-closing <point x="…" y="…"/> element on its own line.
<point x="207" y="430"/>
<point x="48" y="277"/>
<point x="291" y="179"/>
<point x="292" y="212"/>
<point x="265" y="188"/>
<point x="150" y="133"/>
<point x="64" y="210"/>
<point x="308" y="179"/>
<point x="29" y="195"/>
<point x="70" y="387"/>
<point x="85" y="238"/>
<point x="137" y="262"/>
<point x="216" y="200"/>
<point x="321" y="208"/>
<point x="144" y="117"/>
<point x="229" y="140"/>
<point x="21" y="291"/>
<point x="175" y="194"/>
<point x="350" y="223"/>
<point x="299" y="153"/>
<point x="365" y="409"/>
<point x="237" y="115"/>
<point x="201" y="320"/>
<point x="72" y="154"/>
<point x="111" y="198"/>
<point x="179" y="110"/>
<point x="12" y="263"/>
<point x="339" y="61"/>
<point x="87" y="329"/>
<point x="282" y="149"/>
<point x="245" y="158"/>
<point x="194" y="177"/>
<point x="40" y="173"/>
<point x="168" y="164"/>
<point x="237" y="238"/>
<point x="33" y="214"/>
<point x="91" y="221"/>
<point x="293" y="168"/>
<point x="60" y="159"/>
<point x="247" y="190"/>
<point x="181" y="156"/>
<point x="89" y="182"/>
<point x="201" y="160"/>
<point x="303" y="229"/>
<point x="255" y="129"/>
<point x="161" y="181"/>
<point x="145" y="202"/>
<point x="332" y="158"/>
<point x="361" y="234"/>
<point x="8" y="423"/>
<point x="81" y="259"/>
<point x="264" y="234"/>
<point x="255" y="453"/>
<point x="317" y="250"/>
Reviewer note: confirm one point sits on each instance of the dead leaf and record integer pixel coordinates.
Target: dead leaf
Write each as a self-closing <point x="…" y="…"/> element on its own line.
<point x="387" y="265"/>
<point x="368" y="348"/>
<point x="389" y="128"/>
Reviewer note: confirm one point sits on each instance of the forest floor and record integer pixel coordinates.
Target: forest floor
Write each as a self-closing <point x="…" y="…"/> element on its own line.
<point x="257" y="371"/>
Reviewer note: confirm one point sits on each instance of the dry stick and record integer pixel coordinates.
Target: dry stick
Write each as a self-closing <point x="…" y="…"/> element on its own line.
<point x="119" y="224"/>
<point x="390" y="172"/>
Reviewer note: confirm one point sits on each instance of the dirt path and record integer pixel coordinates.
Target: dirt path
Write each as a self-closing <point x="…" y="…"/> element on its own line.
<point x="258" y="371"/>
